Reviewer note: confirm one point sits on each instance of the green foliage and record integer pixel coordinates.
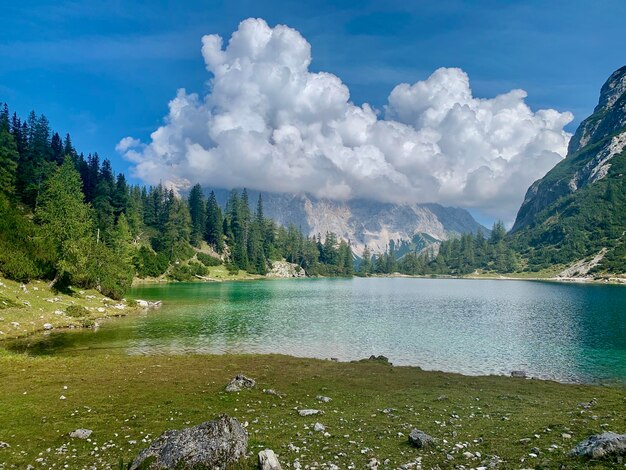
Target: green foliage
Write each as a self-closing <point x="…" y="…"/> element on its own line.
<point x="76" y="311"/>
<point x="187" y="272"/>
<point x="208" y="260"/>
<point x="150" y="264"/>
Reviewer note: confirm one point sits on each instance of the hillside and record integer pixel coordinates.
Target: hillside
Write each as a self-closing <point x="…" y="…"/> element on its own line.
<point x="577" y="209"/>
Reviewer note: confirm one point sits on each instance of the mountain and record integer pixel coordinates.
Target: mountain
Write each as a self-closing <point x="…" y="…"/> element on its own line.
<point x="577" y="209"/>
<point x="365" y="222"/>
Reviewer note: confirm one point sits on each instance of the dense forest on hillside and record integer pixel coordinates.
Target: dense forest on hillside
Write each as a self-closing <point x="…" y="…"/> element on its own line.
<point x="68" y="218"/>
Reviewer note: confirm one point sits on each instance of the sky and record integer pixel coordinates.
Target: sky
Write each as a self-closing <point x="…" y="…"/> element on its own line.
<point x="110" y="74"/>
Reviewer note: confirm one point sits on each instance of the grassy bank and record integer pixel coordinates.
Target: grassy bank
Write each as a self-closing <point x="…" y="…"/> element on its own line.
<point x="26" y="308"/>
<point x="128" y="401"/>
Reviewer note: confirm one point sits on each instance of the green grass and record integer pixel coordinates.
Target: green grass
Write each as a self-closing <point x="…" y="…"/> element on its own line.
<point x="129" y="401"/>
<point x="25" y="310"/>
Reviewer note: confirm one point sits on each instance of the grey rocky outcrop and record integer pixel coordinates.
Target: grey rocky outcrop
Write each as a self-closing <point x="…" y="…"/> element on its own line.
<point x="420" y="439"/>
<point x="268" y="460"/>
<point x="607" y="444"/>
<point x="239" y="383"/>
<point x="283" y="269"/>
<point x="81" y="433"/>
<point x="213" y="444"/>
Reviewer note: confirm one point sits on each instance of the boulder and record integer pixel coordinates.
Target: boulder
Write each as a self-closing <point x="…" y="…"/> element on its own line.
<point x="420" y="439"/>
<point x="239" y="383"/>
<point x="319" y="427"/>
<point x="520" y="374"/>
<point x="47" y="326"/>
<point x="268" y="460"/>
<point x="323" y="399"/>
<point x="607" y="444"/>
<point x="215" y="444"/>
<point x="4" y="445"/>
<point x="308" y="412"/>
<point x="81" y="433"/>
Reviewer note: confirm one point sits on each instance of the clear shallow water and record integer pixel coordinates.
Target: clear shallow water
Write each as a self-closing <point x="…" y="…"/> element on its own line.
<point x="567" y="332"/>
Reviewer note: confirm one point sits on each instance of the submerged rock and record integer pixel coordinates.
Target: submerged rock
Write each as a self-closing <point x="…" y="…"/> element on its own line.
<point x="214" y="444"/>
<point x="607" y="444"/>
<point x="239" y="383"/>
<point x="520" y="374"/>
<point x="420" y="439"/>
<point x="268" y="460"/>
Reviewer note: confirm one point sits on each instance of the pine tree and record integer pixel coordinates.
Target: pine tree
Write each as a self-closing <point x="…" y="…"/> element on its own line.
<point x="198" y="213"/>
<point x="366" y="262"/>
<point x="214" y="230"/>
<point x="8" y="161"/>
<point x="66" y="221"/>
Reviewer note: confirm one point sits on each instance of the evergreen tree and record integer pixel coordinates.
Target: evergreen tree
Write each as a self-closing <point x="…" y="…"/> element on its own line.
<point x="366" y="262"/>
<point x="8" y="160"/>
<point x="67" y="222"/>
<point x="214" y="230"/>
<point x="198" y="213"/>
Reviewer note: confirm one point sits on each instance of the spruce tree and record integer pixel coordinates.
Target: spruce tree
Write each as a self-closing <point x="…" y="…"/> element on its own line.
<point x="214" y="230"/>
<point x="198" y="214"/>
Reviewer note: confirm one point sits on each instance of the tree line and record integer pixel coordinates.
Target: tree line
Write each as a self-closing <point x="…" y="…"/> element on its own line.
<point x="69" y="218"/>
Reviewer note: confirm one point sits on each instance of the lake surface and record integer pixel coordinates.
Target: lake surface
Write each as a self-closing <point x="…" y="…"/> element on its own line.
<point x="566" y="332"/>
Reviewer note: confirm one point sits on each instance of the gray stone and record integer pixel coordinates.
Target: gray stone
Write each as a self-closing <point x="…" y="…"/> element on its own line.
<point x="47" y="326"/>
<point x="214" y="444"/>
<point x="239" y="383"/>
<point x="606" y="444"/>
<point x="4" y="445"/>
<point x="520" y="374"/>
<point x="309" y="412"/>
<point x="319" y="427"/>
<point x="268" y="460"/>
<point x="323" y="399"/>
<point x="420" y="439"/>
<point x="81" y="433"/>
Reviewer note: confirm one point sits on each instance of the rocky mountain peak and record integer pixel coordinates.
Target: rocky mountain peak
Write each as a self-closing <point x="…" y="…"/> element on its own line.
<point x="608" y="117"/>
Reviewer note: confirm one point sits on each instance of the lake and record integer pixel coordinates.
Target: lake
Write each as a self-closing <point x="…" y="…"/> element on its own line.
<point x="565" y="332"/>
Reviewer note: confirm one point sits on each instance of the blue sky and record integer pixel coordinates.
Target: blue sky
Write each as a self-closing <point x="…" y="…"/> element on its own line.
<point x="106" y="70"/>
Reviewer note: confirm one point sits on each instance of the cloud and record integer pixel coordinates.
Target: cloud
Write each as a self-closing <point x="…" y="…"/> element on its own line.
<point x="269" y="123"/>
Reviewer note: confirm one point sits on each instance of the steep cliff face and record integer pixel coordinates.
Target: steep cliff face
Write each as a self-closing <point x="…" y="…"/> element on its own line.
<point x="365" y="222"/>
<point x="598" y="139"/>
<point x="577" y="209"/>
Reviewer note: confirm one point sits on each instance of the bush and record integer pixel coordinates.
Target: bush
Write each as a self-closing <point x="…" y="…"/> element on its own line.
<point x="76" y="311"/>
<point x="232" y="269"/>
<point x="187" y="272"/>
<point x="208" y="260"/>
<point x="150" y="264"/>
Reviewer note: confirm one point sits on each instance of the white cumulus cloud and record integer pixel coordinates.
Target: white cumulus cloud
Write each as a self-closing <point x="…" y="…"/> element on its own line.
<point x="269" y="123"/>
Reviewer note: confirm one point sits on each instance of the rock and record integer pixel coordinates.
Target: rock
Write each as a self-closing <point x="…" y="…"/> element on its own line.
<point x="59" y="312"/>
<point x="309" y="412"/>
<point x="81" y="433"/>
<point x="268" y="460"/>
<point x="380" y="358"/>
<point x="468" y="455"/>
<point x="420" y="439"/>
<point x="149" y="304"/>
<point x="319" y="427"/>
<point x="47" y="326"/>
<point x="239" y="383"/>
<point x="373" y="464"/>
<point x="520" y="374"/>
<point x="323" y="399"/>
<point x="101" y="309"/>
<point x="271" y="391"/>
<point x="4" y="445"/>
<point x="566" y="435"/>
<point x="606" y="444"/>
<point x="213" y="444"/>
<point x="283" y="269"/>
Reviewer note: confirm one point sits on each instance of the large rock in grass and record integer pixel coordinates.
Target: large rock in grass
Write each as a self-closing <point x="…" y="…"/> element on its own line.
<point x="607" y="444"/>
<point x="268" y="460"/>
<point x="239" y="383"/>
<point x="214" y="444"/>
<point x="420" y="439"/>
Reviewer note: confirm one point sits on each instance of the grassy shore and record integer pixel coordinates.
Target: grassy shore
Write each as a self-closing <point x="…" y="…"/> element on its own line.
<point x="29" y="308"/>
<point x="128" y="401"/>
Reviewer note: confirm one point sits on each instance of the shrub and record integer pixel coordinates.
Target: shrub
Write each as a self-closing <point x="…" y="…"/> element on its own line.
<point x="208" y="260"/>
<point x="76" y="311"/>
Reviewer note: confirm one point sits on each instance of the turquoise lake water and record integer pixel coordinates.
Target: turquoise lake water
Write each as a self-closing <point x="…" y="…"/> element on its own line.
<point x="566" y="332"/>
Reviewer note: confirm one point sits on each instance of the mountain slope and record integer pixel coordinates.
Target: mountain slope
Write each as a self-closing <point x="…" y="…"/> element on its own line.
<point x="577" y="209"/>
<point x="364" y="222"/>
